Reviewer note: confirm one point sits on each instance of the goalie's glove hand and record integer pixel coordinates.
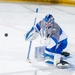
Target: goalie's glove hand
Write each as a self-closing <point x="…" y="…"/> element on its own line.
<point x="45" y="41"/>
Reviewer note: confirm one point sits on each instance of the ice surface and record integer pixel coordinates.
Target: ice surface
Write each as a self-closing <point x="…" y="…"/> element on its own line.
<point x="16" y="19"/>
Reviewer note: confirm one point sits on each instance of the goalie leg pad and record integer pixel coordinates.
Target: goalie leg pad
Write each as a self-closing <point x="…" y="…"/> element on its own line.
<point x="49" y="58"/>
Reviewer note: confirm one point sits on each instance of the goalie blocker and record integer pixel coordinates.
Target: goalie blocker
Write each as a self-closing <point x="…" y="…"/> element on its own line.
<point x="31" y="35"/>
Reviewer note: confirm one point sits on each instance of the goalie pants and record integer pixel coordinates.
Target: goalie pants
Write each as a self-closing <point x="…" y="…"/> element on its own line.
<point x="56" y="49"/>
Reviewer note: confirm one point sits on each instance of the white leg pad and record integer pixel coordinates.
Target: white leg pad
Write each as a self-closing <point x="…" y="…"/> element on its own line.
<point x="57" y="58"/>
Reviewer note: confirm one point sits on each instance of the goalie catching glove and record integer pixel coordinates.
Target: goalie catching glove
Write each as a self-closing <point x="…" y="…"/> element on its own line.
<point x="31" y="35"/>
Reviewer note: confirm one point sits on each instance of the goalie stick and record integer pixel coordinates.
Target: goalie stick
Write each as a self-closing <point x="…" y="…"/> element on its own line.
<point x="28" y="56"/>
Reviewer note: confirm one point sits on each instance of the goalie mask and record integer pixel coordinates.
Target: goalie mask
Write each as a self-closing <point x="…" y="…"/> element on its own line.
<point x="49" y="20"/>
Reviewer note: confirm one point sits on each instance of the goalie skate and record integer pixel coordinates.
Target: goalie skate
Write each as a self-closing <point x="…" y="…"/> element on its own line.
<point x="63" y="64"/>
<point x="66" y="54"/>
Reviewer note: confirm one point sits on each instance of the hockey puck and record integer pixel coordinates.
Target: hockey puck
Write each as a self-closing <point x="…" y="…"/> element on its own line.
<point x="29" y="61"/>
<point x="6" y="34"/>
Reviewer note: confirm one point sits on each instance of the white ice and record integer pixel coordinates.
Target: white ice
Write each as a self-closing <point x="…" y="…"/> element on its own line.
<point x="16" y="19"/>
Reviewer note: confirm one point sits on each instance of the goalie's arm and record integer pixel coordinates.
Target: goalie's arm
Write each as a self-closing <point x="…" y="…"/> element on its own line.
<point x="31" y="35"/>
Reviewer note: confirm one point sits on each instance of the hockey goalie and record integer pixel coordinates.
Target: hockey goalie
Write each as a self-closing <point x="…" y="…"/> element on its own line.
<point x="54" y="39"/>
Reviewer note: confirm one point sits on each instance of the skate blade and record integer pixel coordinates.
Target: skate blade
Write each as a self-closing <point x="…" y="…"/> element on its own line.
<point x="66" y="66"/>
